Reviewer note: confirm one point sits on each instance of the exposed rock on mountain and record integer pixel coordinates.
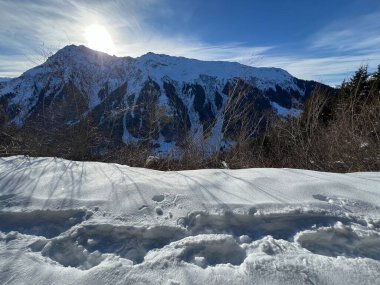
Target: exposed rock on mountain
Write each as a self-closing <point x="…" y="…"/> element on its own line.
<point x="155" y="98"/>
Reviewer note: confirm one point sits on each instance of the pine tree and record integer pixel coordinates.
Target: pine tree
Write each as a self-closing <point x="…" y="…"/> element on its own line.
<point x="374" y="83"/>
<point x="358" y="84"/>
<point x="355" y="93"/>
<point x="3" y="116"/>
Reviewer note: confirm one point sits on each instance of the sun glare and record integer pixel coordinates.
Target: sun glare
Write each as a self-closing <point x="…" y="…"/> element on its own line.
<point x="98" y="38"/>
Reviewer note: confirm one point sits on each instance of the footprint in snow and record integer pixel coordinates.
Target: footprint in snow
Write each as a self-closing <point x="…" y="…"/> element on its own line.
<point x="159" y="211"/>
<point x="158" y="198"/>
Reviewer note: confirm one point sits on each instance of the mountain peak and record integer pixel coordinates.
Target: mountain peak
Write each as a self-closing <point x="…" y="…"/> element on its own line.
<point x="78" y="50"/>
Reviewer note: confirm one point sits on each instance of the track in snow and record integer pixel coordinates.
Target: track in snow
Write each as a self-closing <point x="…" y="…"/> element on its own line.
<point x="69" y="238"/>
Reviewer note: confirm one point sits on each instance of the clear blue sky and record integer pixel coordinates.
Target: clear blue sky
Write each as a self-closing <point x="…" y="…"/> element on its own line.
<point x="324" y="40"/>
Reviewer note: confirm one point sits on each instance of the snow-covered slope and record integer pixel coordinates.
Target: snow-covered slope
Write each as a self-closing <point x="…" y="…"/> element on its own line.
<point x="67" y="222"/>
<point x="154" y="96"/>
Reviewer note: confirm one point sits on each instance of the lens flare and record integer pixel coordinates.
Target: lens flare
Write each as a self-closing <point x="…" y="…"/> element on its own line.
<point x="98" y="38"/>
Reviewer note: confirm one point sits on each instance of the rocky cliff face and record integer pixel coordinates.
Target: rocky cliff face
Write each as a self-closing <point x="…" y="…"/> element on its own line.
<point x="155" y="98"/>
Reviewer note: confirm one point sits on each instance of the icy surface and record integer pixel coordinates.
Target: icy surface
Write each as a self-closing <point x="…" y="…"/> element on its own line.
<point x="67" y="222"/>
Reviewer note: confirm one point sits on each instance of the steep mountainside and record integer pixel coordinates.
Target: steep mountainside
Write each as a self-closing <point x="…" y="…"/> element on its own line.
<point x="155" y="98"/>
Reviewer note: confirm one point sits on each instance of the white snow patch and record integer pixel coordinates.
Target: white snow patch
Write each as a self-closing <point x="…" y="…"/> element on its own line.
<point x="282" y="111"/>
<point x="96" y="223"/>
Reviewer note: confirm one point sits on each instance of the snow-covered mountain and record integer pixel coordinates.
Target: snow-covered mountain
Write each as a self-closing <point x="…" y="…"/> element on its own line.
<point x="154" y="97"/>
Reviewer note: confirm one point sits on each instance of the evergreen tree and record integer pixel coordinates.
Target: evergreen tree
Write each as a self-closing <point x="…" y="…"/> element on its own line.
<point x="355" y="93"/>
<point x="3" y="116"/>
<point x="359" y="79"/>
<point x="374" y="84"/>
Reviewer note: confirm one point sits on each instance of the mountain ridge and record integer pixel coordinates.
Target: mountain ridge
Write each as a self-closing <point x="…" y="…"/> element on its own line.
<point x="153" y="97"/>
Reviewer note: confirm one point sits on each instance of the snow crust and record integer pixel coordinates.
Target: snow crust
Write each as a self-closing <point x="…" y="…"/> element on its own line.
<point x="67" y="222"/>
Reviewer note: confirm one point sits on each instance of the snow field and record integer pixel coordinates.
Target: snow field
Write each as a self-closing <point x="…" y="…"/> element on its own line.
<point x="66" y="222"/>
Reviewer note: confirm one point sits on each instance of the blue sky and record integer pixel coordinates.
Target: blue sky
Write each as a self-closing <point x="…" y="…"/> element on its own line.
<point x="320" y="40"/>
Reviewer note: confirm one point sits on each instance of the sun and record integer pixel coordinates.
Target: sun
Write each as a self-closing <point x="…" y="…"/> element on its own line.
<point x="98" y="38"/>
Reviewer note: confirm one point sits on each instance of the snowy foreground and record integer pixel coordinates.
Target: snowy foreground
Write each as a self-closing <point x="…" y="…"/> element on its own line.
<point x="66" y="222"/>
